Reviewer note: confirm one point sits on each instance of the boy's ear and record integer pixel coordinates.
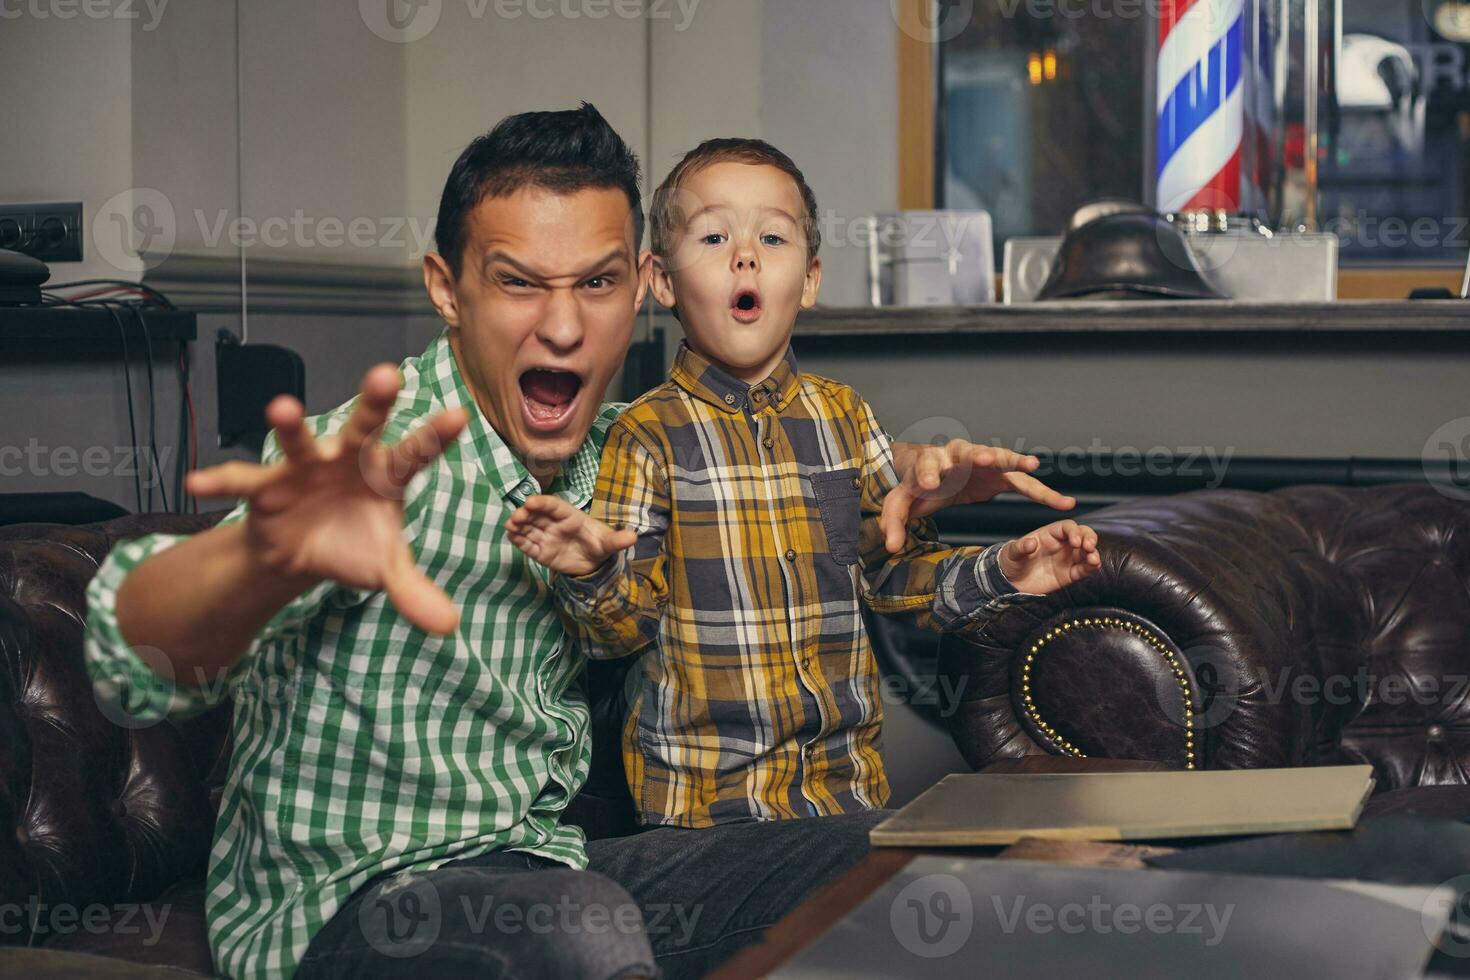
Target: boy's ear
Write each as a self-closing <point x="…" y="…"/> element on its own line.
<point x="645" y="272"/>
<point x="660" y="280"/>
<point x="812" y="285"/>
<point x="439" y="283"/>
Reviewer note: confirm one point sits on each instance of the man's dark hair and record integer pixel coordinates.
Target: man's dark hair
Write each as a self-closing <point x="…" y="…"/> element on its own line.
<point x="666" y="222"/>
<point x="563" y="152"/>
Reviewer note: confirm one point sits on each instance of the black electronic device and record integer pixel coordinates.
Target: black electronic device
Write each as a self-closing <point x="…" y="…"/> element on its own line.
<point x="248" y="377"/>
<point x="20" y="278"/>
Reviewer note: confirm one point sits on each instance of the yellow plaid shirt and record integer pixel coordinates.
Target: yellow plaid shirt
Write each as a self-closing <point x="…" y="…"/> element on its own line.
<point x="757" y="507"/>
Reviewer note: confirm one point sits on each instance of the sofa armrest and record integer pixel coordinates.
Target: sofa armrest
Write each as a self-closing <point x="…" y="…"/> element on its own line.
<point x="1184" y="648"/>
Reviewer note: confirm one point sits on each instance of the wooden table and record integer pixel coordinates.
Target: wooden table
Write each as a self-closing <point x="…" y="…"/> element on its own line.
<point x="809" y="920"/>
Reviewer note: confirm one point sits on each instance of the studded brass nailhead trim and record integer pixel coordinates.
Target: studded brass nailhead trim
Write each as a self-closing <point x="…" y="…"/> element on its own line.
<point x="1100" y="622"/>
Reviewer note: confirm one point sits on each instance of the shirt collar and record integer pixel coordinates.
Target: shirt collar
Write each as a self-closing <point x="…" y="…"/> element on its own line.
<point x="489" y="453"/>
<point x="710" y="383"/>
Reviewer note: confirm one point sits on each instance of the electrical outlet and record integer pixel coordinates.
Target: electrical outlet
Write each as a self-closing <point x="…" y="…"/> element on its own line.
<point x="51" y="232"/>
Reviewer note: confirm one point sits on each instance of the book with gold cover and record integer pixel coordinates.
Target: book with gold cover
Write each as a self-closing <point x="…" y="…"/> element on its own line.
<point x="974" y="809"/>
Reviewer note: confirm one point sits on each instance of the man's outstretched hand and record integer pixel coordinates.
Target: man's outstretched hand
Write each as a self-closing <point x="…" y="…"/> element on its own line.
<point x="1051" y="557"/>
<point x="333" y="509"/>
<point x="960" y="472"/>
<point x="563" y="538"/>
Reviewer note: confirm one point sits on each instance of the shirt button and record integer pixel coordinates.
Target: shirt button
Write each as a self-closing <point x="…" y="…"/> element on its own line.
<point x="857" y="484"/>
<point x="729" y="399"/>
<point x="790" y="554"/>
<point x="768" y="442"/>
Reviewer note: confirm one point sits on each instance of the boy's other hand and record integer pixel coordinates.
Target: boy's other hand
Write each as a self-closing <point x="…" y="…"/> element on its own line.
<point x="563" y="538"/>
<point x="333" y="509"/>
<point x="960" y="472"/>
<point x="1051" y="557"/>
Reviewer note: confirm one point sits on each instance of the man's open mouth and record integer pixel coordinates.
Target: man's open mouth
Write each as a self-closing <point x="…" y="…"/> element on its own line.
<point x="548" y="396"/>
<point x="745" y="306"/>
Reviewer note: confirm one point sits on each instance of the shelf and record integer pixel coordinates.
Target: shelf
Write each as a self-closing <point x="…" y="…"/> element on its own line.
<point x="1416" y="317"/>
<point x="45" y="326"/>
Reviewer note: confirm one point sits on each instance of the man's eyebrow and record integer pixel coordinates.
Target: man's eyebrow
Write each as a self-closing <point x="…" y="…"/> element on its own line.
<point x="619" y="254"/>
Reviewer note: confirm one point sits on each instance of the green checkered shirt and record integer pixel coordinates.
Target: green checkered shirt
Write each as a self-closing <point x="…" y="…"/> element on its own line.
<point x="362" y="744"/>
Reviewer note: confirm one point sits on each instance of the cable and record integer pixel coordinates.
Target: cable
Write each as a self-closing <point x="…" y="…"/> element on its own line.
<point x="240" y="177"/>
<point x="181" y="436"/>
<point x="193" y="436"/>
<point x="108" y="291"/>
<point x="132" y="425"/>
<point x="126" y="283"/>
<point x="188" y="443"/>
<point x="152" y="417"/>
<point x="112" y="305"/>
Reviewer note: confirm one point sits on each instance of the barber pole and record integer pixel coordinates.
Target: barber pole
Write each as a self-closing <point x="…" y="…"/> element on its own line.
<point x="1200" y="105"/>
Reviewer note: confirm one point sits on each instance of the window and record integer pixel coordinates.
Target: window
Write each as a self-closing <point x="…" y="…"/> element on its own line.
<point x="1047" y="104"/>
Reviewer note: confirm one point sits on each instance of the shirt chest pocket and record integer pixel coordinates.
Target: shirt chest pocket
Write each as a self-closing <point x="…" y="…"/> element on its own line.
<point x="839" y="501"/>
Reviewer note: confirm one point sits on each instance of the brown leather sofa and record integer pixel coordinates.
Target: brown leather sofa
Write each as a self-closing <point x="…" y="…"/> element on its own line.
<point x="110" y="827"/>
<point x="1184" y="649"/>
<point x="1231" y="629"/>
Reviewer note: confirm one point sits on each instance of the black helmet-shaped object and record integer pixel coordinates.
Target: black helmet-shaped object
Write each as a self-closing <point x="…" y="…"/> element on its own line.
<point x="1122" y="250"/>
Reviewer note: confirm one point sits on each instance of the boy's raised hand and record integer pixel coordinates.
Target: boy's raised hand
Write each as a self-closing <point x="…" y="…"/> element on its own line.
<point x="959" y="472"/>
<point x="333" y="508"/>
<point x="1051" y="557"/>
<point x="563" y="538"/>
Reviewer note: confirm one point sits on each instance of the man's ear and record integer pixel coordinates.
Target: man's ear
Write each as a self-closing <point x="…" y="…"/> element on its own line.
<point x="439" y="283"/>
<point x="661" y="280"/>
<point x="813" y="283"/>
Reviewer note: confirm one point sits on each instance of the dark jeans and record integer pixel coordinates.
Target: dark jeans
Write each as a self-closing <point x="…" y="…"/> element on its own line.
<point x="688" y="899"/>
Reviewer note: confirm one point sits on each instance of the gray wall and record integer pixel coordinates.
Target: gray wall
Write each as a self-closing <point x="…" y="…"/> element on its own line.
<point x="57" y="407"/>
<point x="147" y="116"/>
<point x="66" y="132"/>
<point x="1305" y="395"/>
<point x="151" y="111"/>
<point x="830" y="100"/>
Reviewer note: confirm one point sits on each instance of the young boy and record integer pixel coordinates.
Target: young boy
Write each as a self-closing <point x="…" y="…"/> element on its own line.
<point x="748" y="497"/>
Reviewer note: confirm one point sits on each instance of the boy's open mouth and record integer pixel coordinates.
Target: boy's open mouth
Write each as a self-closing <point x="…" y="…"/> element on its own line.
<point x="548" y="396"/>
<point x="745" y="306"/>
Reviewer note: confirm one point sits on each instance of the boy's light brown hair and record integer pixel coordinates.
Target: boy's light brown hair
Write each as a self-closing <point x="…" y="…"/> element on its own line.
<point x="666" y="221"/>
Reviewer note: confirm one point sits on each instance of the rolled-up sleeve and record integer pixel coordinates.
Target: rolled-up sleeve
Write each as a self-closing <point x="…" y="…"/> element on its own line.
<point x="138" y="685"/>
<point x="124" y="680"/>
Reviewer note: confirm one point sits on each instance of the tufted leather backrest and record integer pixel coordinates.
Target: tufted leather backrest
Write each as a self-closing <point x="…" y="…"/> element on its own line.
<point x="91" y="811"/>
<point x="1232" y="629"/>
<point x="94" y="812"/>
<point x="1397" y="643"/>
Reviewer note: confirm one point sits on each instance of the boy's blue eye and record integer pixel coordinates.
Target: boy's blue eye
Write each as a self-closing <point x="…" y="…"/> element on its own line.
<point x="713" y="238"/>
<point x="772" y="239"/>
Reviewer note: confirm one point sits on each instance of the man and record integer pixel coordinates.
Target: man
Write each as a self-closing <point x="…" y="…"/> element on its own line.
<point x="382" y="815"/>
